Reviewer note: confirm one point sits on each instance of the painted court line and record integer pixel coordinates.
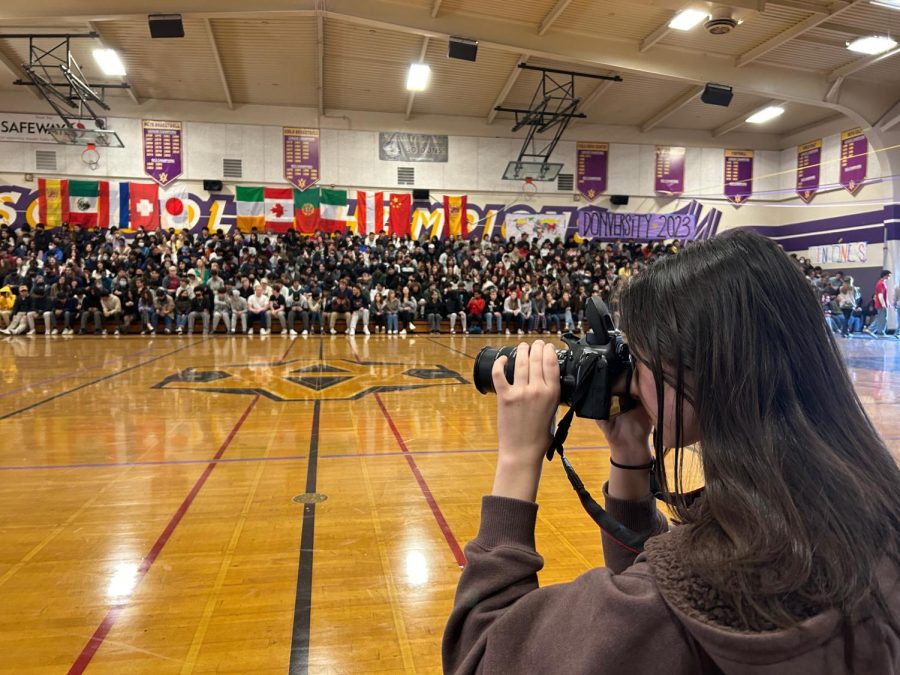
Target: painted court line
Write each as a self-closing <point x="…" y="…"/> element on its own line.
<point x="93" y="644"/>
<point x="100" y="379"/>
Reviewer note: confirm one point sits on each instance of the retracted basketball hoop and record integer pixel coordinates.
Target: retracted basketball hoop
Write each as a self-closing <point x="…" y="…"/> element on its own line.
<point x="529" y="188"/>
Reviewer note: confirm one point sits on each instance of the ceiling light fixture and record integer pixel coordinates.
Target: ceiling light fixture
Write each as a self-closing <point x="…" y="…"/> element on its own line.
<point x="109" y="62"/>
<point x="418" y="77"/>
<point x="890" y="4"/>
<point x="687" y="19"/>
<point x="765" y="115"/>
<point x="872" y="45"/>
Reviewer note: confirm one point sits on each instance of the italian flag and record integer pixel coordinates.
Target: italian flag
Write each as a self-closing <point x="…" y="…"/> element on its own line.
<point x="333" y="216"/>
<point x="279" y="209"/>
<point x="307" y="210"/>
<point x="369" y="212"/>
<point x="251" y="206"/>
<point x="89" y="203"/>
<point x="53" y="201"/>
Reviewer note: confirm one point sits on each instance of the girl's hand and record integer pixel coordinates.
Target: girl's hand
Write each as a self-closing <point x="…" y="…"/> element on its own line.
<point x="627" y="435"/>
<point x="525" y="412"/>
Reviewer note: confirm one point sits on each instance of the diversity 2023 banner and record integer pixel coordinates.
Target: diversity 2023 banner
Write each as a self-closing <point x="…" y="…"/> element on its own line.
<point x="809" y="165"/>
<point x="301" y="156"/>
<point x="163" y="150"/>
<point x="738" y="175"/>
<point x="670" y="170"/>
<point x="854" y="159"/>
<point x="592" y="169"/>
<point x="597" y="223"/>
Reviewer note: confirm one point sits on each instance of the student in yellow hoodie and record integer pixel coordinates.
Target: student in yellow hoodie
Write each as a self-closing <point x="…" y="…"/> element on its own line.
<point x="7" y="300"/>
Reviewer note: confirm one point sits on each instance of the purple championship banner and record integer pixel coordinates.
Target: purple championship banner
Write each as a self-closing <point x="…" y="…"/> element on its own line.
<point x="854" y="159"/>
<point x="670" y="170"/>
<point x="301" y="156"/>
<point x="163" y="150"/>
<point x="738" y="175"/>
<point x="597" y="223"/>
<point x="593" y="169"/>
<point x="809" y="169"/>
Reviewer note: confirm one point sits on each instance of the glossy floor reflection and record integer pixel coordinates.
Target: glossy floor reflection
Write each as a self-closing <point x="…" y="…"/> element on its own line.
<point x="250" y="505"/>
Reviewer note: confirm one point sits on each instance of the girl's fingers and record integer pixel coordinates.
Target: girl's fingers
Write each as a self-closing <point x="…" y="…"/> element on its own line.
<point x="551" y="365"/>
<point x="521" y="377"/>
<point x="498" y="374"/>
<point x="535" y="363"/>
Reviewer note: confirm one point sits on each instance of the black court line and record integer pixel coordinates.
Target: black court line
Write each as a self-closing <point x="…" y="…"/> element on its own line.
<point x="303" y="601"/>
<point x="452" y="349"/>
<point x="99" y="379"/>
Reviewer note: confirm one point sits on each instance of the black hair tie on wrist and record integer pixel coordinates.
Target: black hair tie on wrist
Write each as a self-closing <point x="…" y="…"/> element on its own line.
<point x="634" y="467"/>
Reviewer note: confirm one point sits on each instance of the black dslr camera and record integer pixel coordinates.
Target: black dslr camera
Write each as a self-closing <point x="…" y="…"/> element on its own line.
<point x="595" y="372"/>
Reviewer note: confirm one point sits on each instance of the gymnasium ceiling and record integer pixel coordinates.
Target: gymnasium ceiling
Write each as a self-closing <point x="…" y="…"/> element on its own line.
<point x="352" y="55"/>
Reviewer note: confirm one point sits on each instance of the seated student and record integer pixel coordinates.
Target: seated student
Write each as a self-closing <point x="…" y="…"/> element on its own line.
<point x="379" y="318"/>
<point x="63" y="309"/>
<point x="90" y="309"/>
<point x="538" y="312"/>
<point x="340" y="307"/>
<point x="147" y="310"/>
<point x="164" y="306"/>
<point x="221" y="309"/>
<point x="297" y="306"/>
<point x="786" y="563"/>
<point x="7" y="300"/>
<point x="258" y="310"/>
<point x="41" y="309"/>
<point x="359" y="310"/>
<point x="182" y="310"/>
<point x="316" y="312"/>
<point x="408" y="308"/>
<point x="434" y="311"/>
<point x="279" y="305"/>
<point x="455" y="301"/>
<point x="200" y="308"/>
<point x="127" y="299"/>
<point x="237" y="303"/>
<point x="512" y="312"/>
<point x="392" y="310"/>
<point x="493" y="311"/>
<point x="475" y="311"/>
<point x="18" y="323"/>
<point x="111" y="307"/>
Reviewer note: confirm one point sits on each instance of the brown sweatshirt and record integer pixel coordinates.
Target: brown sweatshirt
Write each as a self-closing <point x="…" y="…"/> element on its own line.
<point x="643" y="614"/>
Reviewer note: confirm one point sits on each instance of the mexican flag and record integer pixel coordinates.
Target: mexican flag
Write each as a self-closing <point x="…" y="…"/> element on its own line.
<point x="279" y="209"/>
<point x="250" y="208"/>
<point x="306" y="210"/>
<point x="333" y="216"/>
<point x="89" y="203"/>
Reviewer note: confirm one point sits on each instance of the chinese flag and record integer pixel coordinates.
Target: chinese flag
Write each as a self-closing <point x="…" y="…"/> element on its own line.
<point x="401" y="213"/>
<point x="455" y="216"/>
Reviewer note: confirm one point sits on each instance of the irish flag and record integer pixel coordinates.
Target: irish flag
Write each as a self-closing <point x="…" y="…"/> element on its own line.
<point x="88" y="203"/>
<point x="279" y="209"/>
<point x="251" y="206"/>
<point x="307" y="210"/>
<point x="333" y="217"/>
<point x="53" y="201"/>
<point x="369" y="212"/>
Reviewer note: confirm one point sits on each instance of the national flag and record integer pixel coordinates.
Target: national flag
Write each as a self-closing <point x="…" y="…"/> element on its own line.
<point x="401" y="213"/>
<point x="88" y="203"/>
<point x="144" y="201"/>
<point x="53" y="201"/>
<point x="369" y="212"/>
<point x="455" y="216"/>
<point x="333" y="216"/>
<point x="119" y="207"/>
<point x="306" y="210"/>
<point x="251" y="206"/>
<point x="173" y="210"/>
<point x="279" y="209"/>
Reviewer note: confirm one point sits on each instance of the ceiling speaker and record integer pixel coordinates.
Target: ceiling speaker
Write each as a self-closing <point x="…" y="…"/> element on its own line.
<point x="618" y="200"/>
<point x="717" y="94"/>
<point x="212" y="185"/>
<point x="463" y="48"/>
<point x="166" y="26"/>
<point x="421" y="195"/>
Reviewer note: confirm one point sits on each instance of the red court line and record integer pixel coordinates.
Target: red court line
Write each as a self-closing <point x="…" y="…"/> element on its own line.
<point x="87" y="653"/>
<point x="426" y="491"/>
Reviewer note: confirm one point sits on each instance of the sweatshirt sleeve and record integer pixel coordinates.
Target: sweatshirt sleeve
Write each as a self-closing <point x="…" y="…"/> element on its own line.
<point x="638" y="515"/>
<point x="502" y="622"/>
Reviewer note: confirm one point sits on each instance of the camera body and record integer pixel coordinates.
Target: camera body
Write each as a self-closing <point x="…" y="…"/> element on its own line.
<point x="595" y="371"/>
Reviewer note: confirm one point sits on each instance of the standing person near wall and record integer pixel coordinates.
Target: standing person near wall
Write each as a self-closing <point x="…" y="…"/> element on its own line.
<point x="879" y="325"/>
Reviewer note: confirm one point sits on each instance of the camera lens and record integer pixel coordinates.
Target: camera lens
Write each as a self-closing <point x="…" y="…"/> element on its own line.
<point x="484" y="363"/>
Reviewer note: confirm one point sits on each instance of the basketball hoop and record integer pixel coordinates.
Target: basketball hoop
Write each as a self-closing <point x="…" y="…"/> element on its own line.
<point x="529" y="189"/>
<point x="91" y="157"/>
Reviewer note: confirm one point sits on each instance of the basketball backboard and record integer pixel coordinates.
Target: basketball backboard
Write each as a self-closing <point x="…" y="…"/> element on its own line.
<point x="101" y="138"/>
<point x="543" y="171"/>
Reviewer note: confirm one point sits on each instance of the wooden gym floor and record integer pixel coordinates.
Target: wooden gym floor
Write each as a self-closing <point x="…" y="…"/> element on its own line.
<point x="152" y="490"/>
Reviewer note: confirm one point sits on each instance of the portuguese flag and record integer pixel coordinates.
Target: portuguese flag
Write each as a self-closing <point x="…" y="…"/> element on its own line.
<point x="307" y="210"/>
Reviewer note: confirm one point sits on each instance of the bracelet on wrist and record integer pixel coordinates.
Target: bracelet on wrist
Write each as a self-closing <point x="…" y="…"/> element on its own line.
<point x="634" y="467"/>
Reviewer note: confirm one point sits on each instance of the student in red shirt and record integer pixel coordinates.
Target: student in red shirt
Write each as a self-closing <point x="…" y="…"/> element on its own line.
<point x="881" y="304"/>
<point x="475" y="310"/>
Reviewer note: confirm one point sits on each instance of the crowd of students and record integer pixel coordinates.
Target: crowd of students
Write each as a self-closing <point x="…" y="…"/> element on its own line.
<point x="62" y="282"/>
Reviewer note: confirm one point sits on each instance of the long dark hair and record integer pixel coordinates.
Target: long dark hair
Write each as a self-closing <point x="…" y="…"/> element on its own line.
<point x="802" y="497"/>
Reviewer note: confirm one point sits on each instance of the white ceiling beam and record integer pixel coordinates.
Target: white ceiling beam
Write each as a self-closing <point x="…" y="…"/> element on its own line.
<point x="671" y="108"/>
<point x="435" y="8"/>
<point x="320" y="62"/>
<point x="553" y="15"/>
<point x="834" y="91"/>
<point x="504" y="90"/>
<point x="654" y="37"/>
<point x="890" y="119"/>
<point x="412" y="95"/>
<point x="106" y="44"/>
<point x="738" y="122"/>
<point x="861" y="64"/>
<point x="217" y="59"/>
<point x="794" y="31"/>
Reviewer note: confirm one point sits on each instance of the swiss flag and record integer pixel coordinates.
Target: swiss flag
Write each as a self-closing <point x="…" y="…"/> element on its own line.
<point x="401" y="213"/>
<point x="144" y="206"/>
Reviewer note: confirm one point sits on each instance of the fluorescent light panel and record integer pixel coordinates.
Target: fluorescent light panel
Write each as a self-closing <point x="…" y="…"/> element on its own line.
<point x="890" y="4"/>
<point x="109" y="62"/>
<point x="872" y="45"/>
<point x="687" y="19"/>
<point x="418" y="77"/>
<point x="765" y="115"/>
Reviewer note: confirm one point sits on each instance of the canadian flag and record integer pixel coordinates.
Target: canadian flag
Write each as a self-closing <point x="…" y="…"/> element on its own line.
<point x="175" y="214"/>
<point x="369" y="212"/>
<point x="144" y="206"/>
<point x="279" y="209"/>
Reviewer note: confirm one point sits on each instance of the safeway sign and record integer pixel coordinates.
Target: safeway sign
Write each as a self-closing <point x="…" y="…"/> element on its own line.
<point x="33" y="128"/>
